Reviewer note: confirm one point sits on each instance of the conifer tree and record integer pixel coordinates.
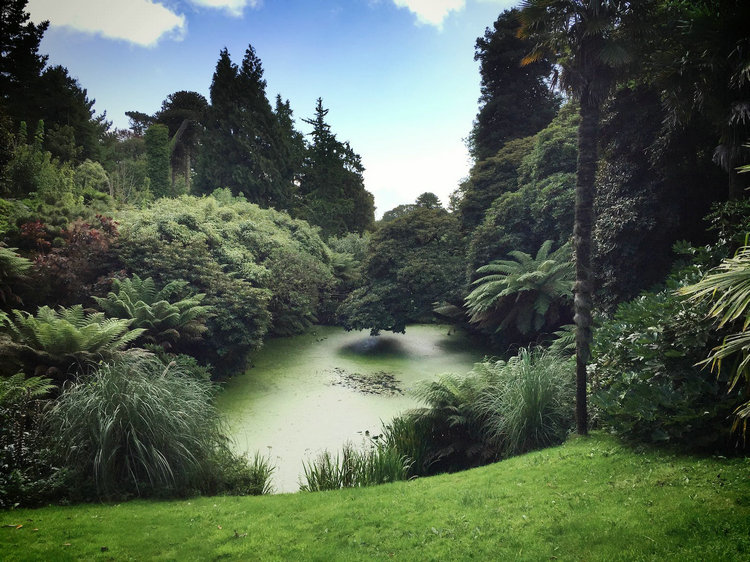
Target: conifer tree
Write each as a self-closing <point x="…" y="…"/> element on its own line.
<point x="242" y="145"/>
<point x="332" y="190"/>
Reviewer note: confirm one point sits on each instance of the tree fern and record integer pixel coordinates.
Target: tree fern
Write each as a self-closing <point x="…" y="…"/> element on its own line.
<point x="162" y="314"/>
<point x="64" y="337"/>
<point x="525" y="292"/>
<point x="12" y="267"/>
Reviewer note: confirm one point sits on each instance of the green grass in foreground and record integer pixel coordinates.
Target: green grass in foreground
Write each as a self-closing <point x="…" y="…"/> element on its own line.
<point x="590" y="499"/>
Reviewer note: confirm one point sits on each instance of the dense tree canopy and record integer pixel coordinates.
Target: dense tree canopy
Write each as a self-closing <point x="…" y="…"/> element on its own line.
<point x="412" y="263"/>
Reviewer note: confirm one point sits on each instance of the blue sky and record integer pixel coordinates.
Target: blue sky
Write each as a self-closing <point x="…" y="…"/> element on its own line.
<point x="398" y="76"/>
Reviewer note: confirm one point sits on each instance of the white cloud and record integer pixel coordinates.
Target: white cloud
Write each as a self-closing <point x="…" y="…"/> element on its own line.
<point x="431" y="12"/>
<point x="143" y="22"/>
<point x="233" y="7"/>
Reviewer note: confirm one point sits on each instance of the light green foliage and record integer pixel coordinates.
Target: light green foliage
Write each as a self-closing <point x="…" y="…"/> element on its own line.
<point x="529" y="401"/>
<point x="33" y="172"/>
<point x="523" y="295"/>
<point x="376" y="464"/>
<point x="412" y="262"/>
<point x="91" y="176"/>
<point x="64" y="337"/>
<point x="138" y="428"/>
<point x="260" y="269"/>
<point x="17" y="387"/>
<point x="166" y="315"/>
<point x="728" y="288"/>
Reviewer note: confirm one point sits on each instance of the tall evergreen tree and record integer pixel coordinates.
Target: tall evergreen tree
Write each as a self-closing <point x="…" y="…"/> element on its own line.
<point x="332" y="190"/>
<point x="516" y="100"/>
<point x="20" y="61"/>
<point x="242" y="145"/>
<point x="157" y="157"/>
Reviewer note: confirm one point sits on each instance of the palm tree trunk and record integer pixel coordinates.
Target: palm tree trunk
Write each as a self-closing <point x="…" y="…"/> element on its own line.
<point x="582" y="239"/>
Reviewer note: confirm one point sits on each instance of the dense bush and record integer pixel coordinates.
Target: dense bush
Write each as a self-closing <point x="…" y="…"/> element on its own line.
<point x="138" y="428"/>
<point x="28" y="475"/>
<point x="261" y="270"/>
<point x="647" y="383"/>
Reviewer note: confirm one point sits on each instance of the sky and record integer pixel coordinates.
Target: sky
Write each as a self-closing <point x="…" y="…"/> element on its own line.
<point x="398" y="76"/>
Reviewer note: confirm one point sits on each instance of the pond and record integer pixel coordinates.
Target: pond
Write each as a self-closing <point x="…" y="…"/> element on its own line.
<point x="319" y="390"/>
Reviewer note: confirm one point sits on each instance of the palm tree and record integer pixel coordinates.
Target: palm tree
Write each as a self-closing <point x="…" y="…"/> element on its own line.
<point x="581" y="36"/>
<point x="526" y="292"/>
<point x="728" y="286"/>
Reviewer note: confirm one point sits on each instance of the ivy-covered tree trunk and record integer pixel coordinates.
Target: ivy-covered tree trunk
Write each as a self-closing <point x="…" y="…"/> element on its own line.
<point x="582" y="239"/>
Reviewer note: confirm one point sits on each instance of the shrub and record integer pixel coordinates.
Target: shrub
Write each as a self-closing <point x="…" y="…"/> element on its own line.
<point x="260" y="269"/>
<point x="28" y="475"/>
<point x="168" y="315"/>
<point x="137" y="428"/>
<point x="647" y="384"/>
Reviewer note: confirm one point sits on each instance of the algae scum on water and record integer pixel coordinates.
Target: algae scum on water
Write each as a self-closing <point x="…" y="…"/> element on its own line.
<point x="321" y="389"/>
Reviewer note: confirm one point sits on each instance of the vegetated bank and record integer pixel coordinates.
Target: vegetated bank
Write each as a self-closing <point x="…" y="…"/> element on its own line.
<point x="589" y="499"/>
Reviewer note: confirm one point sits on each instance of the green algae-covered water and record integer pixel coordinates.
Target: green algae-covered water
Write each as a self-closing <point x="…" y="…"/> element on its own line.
<point x="319" y="390"/>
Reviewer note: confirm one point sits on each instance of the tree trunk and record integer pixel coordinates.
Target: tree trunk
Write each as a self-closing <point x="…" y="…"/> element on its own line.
<point x="582" y="239"/>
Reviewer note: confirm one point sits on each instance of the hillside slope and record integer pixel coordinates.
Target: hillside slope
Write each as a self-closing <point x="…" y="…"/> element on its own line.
<point x="590" y="499"/>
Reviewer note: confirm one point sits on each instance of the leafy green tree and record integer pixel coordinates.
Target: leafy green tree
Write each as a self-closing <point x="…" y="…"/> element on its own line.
<point x="535" y="183"/>
<point x="516" y="100"/>
<point x="580" y="36"/>
<point x="332" y="191"/>
<point x="157" y="155"/>
<point x="489" y="179"/>
<point x="701" y="65"/>
<point x="398" y="212"/>
<point x="428" y="200"/>
<point x="183" y="113"/>
<point x="524" y="295"/>
<point x="412" y="262"/>
<point x="243" y="149"/>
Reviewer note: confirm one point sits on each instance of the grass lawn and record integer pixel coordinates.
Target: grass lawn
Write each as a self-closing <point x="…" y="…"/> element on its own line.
<point x="590" y="499"/>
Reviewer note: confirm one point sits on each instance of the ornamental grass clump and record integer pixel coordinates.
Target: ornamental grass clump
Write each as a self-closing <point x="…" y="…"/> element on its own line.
<point x="529" y="402"/>
<point x="138" y="428"/>
<point x="354" y="468"/>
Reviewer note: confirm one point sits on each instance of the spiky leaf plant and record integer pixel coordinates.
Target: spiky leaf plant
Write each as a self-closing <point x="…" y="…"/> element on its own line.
<point x="529" y="401"/>
<point x="164" y="315"/>
<point x="728" y="286"/>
